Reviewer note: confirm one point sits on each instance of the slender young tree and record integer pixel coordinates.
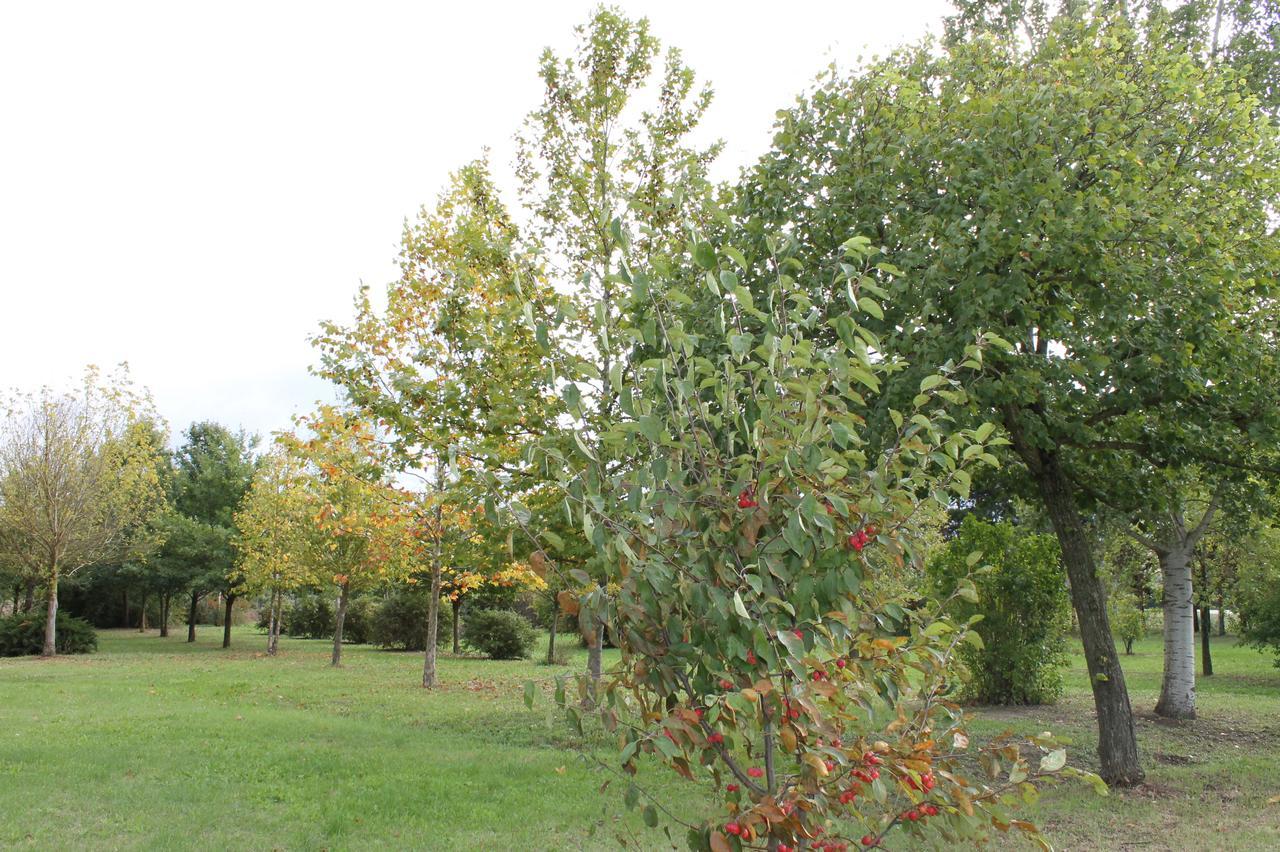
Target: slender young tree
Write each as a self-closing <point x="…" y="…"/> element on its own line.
<point x="359" y="533"/>
<point x="608" y="149"/>
<point x="78" y="480"/>
<point x="450" y="369"/>
<point x="273" y="521"/>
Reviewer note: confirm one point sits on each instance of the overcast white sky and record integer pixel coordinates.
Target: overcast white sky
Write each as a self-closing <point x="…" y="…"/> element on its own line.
<point x="192" y="187"/>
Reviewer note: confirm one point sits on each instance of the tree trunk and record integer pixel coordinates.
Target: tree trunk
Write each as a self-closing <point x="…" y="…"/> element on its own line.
<point x="226" y="621"/>
<point x="29" y="602"/>
<point x="337" y="624"/>
<point x="17" y="595"/>
<point x="551" y="640"/>
<point x="164" y="615"/>
<point x="1178" y="686"/>
<point x="456" y="605"/>
<point x="1128" y="647"/>
<point x="124" y="620"/>
<point x="595" y="645"/>
<point x="191" y="617"/>
<point x="51" y="618"/>
<point x="1117" y="737"/>
<point x="1222" y="616"/>
<point x="1206" y="658"/>
<point x="433" y="623"/>
<point x="1195" y="620"/>
<point x="273" y="624"/>
<point x="142" y="615"/>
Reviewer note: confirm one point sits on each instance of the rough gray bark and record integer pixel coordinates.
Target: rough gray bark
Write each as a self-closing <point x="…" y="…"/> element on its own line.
<point x="595" y="646"/>
<point x="433" y="627"/>
<point x="337" y="625"/>
<point x="1117" y="737"/>
<point x="273" y="624"/>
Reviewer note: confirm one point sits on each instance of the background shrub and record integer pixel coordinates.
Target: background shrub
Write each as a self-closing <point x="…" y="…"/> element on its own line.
<point x="1128" y="623"/>
<point x="499" y="634"/>
<point x="399" y="620"/>
<point x="23" y="634"/>
<point x="1026" y="613"/>
<point x="312" y="615"/>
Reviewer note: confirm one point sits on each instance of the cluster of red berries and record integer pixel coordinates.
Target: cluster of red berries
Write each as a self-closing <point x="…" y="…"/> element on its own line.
<point x="927" y="782"/>
<point x="747" y="499"/>
<point x="755" y="772"/>
<point x="751" y="658"/>
<point x="859" y="539"/>
<point x="831" y="846"/>
<point x="848" y="796"/>
<point x="715" y="739"/>
<point x="819" y="674"/>
<point x="869" y="840"/>
<point x="918" y="814"/>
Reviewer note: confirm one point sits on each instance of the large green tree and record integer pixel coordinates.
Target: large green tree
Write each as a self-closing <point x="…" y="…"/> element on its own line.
<point x="1100" y="198"/>
<point x="212" y="471"/>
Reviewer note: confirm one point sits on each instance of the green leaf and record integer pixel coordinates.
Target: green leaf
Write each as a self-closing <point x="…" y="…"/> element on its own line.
<point x="704" y="255"/>
<point x="871" y="306"/>
<point x="651" y="816"/>
<point x="738" y="605"/>
<point x="572" y="396"/>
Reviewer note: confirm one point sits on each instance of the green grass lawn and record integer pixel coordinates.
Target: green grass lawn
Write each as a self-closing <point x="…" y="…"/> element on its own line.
<point x="154" y="743"/>
<point x="1208" y="780"/>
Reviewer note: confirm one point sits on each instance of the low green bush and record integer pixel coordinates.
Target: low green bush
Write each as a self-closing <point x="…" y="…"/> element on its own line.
<point x="23" y="635"/>
<point x="399" y="620"/>
<point x="1024" y="606"/>
<point x="499" y="634"/>
<point x="1128" y="622"/>
<point x="311" y="615"/>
